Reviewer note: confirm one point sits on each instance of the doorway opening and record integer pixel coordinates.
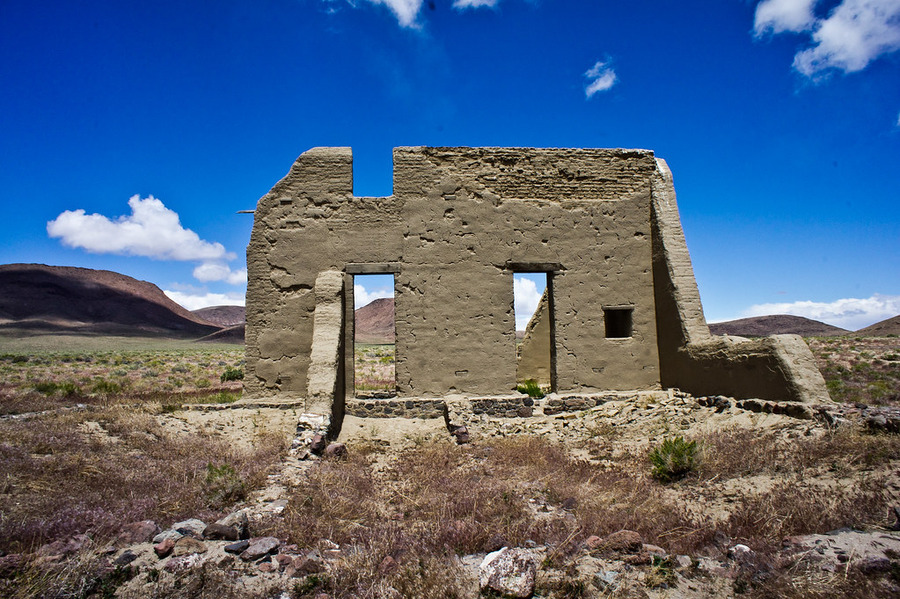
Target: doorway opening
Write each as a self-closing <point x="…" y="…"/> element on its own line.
<point x="533" y="306"/>
<point x="374" y="334"/>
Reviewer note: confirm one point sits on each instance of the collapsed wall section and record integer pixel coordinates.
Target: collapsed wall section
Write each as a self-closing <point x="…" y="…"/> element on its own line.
<point x="534" y="353"/>
<point x="780" y="367"/>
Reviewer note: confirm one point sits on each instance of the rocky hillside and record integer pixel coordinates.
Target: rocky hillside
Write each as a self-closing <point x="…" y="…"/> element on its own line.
<point x="375" y="322"/>
<point x="891" y="326"/>
<point x="779" y="324"/>
<point x="40" y="298"/>
<point x="224" y="316"/>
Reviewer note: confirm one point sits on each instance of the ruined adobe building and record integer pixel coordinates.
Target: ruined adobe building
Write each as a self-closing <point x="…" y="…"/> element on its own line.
<point x="622" y="308"/>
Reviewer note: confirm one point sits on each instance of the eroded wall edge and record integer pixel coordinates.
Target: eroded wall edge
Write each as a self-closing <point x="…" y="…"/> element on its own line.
<point x="779" y="367"/>
<point x="324" y="375"/>
<point x="533" y="355"/>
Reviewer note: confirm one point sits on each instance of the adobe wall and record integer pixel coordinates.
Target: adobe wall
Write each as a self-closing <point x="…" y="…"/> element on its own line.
<point x="461" y="221"/>
<point x="602" y="223"/>
<point x="476" y="215"/>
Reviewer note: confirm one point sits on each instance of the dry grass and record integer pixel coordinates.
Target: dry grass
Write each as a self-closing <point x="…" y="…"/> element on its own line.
<point x="60" y="481"/>
<point x="66" y="472"/>
<point x="436" y="500"/>
<point x="92" y="470"/>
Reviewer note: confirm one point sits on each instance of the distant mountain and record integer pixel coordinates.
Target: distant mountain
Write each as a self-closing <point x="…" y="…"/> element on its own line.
<point x="65" y="299"/>
<point x="375" y="322"/>
<point x="891" y="326"/>
<point x="224" y="316"/>
<point x="779" y="324"/>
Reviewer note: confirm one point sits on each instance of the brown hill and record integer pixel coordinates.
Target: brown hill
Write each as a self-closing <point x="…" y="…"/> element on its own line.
<point x="778" y="324"/>
<point x="891" y="326"/>
<point x="233" y="334"/>
<point x="224" y="316"/>
<point x="41" y="298"/>
<point x="375" y="322"/>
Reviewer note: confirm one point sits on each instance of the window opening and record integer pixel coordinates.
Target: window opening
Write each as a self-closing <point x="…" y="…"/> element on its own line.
<point x="618" y="322"/>
<point x="374" y="336"/>
<point x="534" y="329"/>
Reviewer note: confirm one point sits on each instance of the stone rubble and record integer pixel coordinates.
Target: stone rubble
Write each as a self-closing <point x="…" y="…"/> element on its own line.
<point x="615" y="563"/>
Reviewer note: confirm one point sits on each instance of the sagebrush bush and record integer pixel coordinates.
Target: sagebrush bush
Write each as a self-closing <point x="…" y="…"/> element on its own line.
<point x="232" y="374"/>
<point x="674" y="458"/>
<point x="224" y="485"/>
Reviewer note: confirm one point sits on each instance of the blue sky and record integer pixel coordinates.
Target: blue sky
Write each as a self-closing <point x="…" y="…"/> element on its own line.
<point x="131" y="133"/>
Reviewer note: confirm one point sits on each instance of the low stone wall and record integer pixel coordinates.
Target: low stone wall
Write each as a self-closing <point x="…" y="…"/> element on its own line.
<point x="396" y="408"/>
<point x="574" y="403"/>
<point x="503" y="407"/>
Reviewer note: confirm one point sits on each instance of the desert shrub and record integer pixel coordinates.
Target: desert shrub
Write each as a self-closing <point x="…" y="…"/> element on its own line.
<point x="224" y="397"/>
<point x="232" y="374"/>
<point x="46" y="387"/>
<point x="530" y="388"/>
<point x="836" y="388"/>
<point x="223" y="486"/>
<point x="68" y="388"/>
<point x="202" y="382"/>
<point x="674" y="458"/>
<point x="106" y="387"/>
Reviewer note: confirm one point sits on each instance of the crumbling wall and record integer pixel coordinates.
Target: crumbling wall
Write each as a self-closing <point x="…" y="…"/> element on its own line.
<point x="534" y="352"/>
<point x="461" y="221"/>
<point x="780" y="367"/>
<point x="308" y="223"/>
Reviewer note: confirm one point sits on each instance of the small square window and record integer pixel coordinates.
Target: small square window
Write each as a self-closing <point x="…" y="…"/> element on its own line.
<point x="618" y="322"/>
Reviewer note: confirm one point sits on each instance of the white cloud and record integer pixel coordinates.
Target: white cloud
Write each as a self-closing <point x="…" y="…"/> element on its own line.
<point x="151" y="230"/>
<point x="462" y="4"/>
<point x="850" y="313"/>
<point x="364" y="297"/>
<point x="195" y="301"/>
<point x="778" y="16"/>
<point x="527" y="298"/>
<point x="406" y="11"/>
<point x="600" y="78"/>
<point x="848" y="38"/>
<point x="219" y="271"/>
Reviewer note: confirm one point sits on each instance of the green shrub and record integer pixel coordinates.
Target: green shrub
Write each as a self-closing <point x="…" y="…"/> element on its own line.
<point x="232" y="374"/>
<point x="836" y="388"/>
<point x="224" y="485"/>
<point x="106" y="387"/>
<point x="674" y="458"/>
<point x="530" y="388"/>
<point x="223" y="397"/>
<point x="69" y="389"/>
<point x="46" y="387"/>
